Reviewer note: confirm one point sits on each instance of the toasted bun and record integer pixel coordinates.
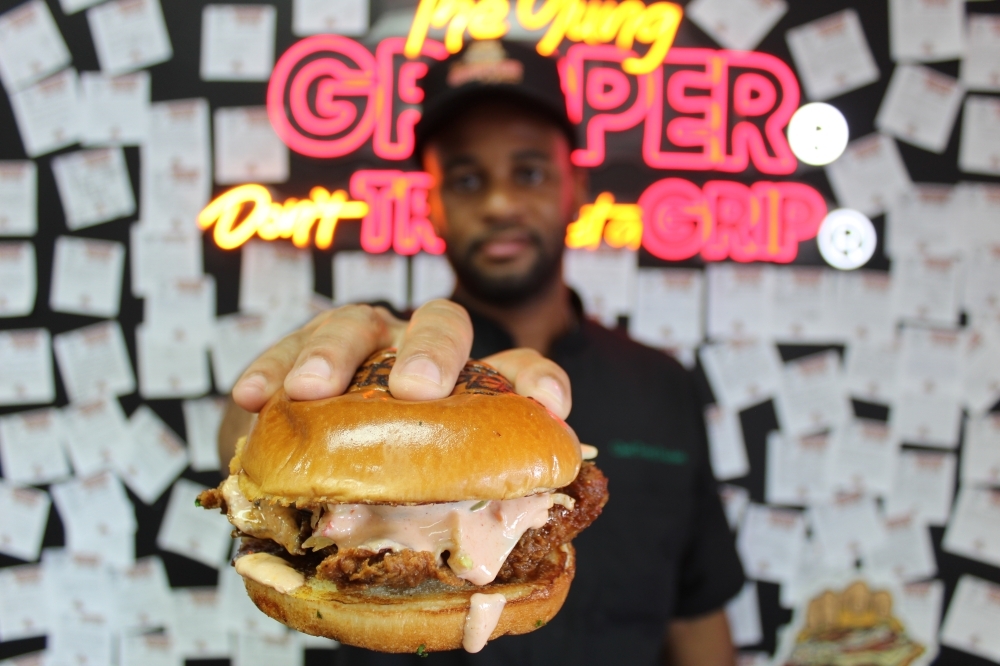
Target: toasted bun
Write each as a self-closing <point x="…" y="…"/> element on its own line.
<point x="482" y="442"/>
<point x="432" y="617"/>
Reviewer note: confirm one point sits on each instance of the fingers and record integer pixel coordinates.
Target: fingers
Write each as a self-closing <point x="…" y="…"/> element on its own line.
<point x="318" y="360"/>
<point x="331" y="354"/>
<point x="431" y="351"/>
<point x="536" y="377"/>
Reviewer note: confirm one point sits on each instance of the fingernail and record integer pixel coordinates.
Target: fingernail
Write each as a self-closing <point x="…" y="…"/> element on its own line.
<point x="316" y="367"/>
<point x="550" y="389"/>
<point x="254" y="384"/>
<point x="421" y="367"/>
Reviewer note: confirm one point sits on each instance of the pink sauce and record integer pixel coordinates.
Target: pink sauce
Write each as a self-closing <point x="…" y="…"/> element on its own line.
<point x="484" y="614"/>
<point x="478" y="541"/>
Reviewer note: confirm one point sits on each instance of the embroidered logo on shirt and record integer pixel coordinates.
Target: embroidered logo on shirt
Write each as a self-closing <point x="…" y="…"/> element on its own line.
<point x="622" y="449"/>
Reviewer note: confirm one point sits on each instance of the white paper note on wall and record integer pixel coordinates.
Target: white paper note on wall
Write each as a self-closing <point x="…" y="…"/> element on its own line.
<point x="176" y="164"/>
<point x="433" y="278"/>
<point x="23" y="612"/>
<point x="202" y="418"/>
<point x="143" y="595"/>
<point x="18" y="198"/>
<point x="95" y="432"/>
<point x="926" y="289"/>
<point x="920" y="107"/>
<point x="926" y="30"/>
<point x="199" y="633"/>
<point x="980" y="452"/>
<point x="863" y="312"/>
<point x="974" y="528"/>
<point x="192" y="531"/>
<point x="770" y="541"/>
<point x="739" y="298"/>
<point x="159" y="255"/>
<point x="26" y="367"/>
<point x="811" y="394"/>
<point x="237" y="42"/>
<point x="848" y="528"/>
<point x="238" y="340"/>
<point x="94" y="362"/>
<point x="170" y="368"/>
<point x="87" y="276"/>
<point x="797" y="468"/>
<point x="742" y="374"/>
<point x="247" y="148"/>
<point x="154" y="458"/>
<point x="736" y="24"/>
<point x="864" y="458"/>
<point x="832" y="55"/>
<point x="47" y="113"/>
<point x="338" y="17"/>
<point x="973" y="617"/>
<point x="871" y="370"/>
<point x="23" y="514"/>
<point x="115" y="109"/>
<point x="359" y="277"/>
<point x="31" y="46"/>
<point x="980" y="68"/>
<point x="94" y="186"/>
<point x="804" y="304"/>
<point x="669" y="307"/>
<point x="907" y="553"/>
<point x="276" y="278"/>
<point x="129" y="35"/>
<point x="924" y="486"/>
<point x="147" y="649"/>
<point x="32" y="447"/>
<point x="870" y="175"/>
<point x="727" y="450"/>
<point x="979" y="148"/>
<point x="18" y="282"/>
<point x="743" y="613"/>
<point x="182" y="309"/>
<point x="605" y="279"/>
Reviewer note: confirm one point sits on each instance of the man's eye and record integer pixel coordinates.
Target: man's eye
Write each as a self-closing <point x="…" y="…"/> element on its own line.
<point x="529" y="176"/>
<point x="467" y="183"/>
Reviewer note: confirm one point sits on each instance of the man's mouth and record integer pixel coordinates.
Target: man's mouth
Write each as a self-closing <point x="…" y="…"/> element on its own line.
<point x="505" y="245"/>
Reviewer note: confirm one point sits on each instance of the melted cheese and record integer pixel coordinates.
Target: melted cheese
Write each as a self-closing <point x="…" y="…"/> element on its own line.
<point x="270" y="570"/>
<point x="478" y="535"/>
<point x="242" y="514"/>
<point x="484" y="613"/>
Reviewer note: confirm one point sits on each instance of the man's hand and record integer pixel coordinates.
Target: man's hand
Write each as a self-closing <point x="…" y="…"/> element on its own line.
<point x="320" y="359"/>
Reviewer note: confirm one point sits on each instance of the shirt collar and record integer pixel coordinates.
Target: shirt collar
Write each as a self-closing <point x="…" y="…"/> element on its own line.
<point x="490" y="336"/>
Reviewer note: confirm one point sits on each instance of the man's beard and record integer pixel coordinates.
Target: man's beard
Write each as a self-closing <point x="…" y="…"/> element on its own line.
<point x="508" y="289"/>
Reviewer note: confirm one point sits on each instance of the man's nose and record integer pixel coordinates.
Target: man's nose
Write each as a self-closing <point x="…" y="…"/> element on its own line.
<point x="501" y="204"/>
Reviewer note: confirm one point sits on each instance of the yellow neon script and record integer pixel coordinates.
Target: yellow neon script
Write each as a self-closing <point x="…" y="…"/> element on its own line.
<point x="587" y="21"/>
<point x="620" y="225"/>
<point x="271" y="220"/>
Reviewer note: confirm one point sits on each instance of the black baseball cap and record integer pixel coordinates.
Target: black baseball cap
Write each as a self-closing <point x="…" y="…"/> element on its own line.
<point x="490" y="70"/>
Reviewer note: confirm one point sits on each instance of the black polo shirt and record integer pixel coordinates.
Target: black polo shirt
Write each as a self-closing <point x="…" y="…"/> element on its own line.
<point x="662" y="548"/>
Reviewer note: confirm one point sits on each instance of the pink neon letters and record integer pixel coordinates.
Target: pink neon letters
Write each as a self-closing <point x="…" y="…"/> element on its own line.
<point x="328" y="95"/>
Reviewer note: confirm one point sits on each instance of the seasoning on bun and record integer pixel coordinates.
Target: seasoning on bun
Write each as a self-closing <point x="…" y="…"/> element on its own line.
<point x="404" y="526"/>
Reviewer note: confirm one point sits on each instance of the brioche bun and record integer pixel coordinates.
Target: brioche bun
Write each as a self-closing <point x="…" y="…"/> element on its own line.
<point x="430" y="618"/>
<point x="482" y="442"/>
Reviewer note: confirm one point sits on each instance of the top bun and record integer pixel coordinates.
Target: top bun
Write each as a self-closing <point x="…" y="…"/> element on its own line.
<point x="482" y="442"/>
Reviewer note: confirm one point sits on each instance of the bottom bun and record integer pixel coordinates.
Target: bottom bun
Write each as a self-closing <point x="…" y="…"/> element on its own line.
<point x="429" y="618"/>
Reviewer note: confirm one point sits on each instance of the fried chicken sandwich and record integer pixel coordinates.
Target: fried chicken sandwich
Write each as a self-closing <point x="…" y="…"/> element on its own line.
<point x="404" y="526"/>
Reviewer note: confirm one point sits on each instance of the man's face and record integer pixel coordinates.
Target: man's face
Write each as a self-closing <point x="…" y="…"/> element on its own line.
<point x="504" y="191"/>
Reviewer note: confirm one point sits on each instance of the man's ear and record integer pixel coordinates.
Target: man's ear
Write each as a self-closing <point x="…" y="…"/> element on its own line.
<point x="581" y="188"/>
<point x="432" y="165"/>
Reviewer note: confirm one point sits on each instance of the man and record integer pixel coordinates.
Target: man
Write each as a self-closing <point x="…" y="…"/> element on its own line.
<point x="655" y="570"/>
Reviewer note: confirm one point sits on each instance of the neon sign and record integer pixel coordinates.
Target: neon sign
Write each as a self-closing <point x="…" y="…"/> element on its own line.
<point x="701" y="110"/>
<point x="590" y="21"/>
<point x="760" y="222"/>
<point x="673" y="220"/>
<point x="247" y="211"/>
<point x="619" y="225"/>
